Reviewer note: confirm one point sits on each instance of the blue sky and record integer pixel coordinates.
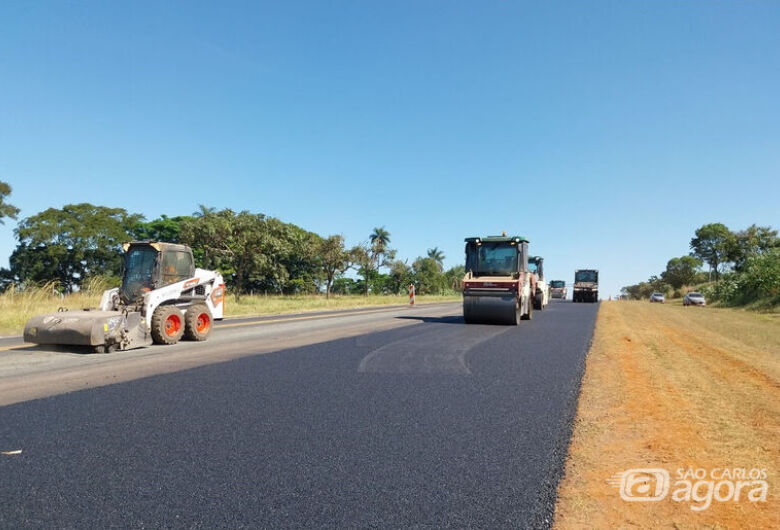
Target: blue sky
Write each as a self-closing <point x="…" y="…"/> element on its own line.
<point x="605" y="132"/>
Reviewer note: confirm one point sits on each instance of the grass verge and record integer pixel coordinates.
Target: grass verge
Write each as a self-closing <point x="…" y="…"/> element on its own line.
<point x="279" y="305"/>
<point x="671" y="387"/>
<point x="16" y="307"/>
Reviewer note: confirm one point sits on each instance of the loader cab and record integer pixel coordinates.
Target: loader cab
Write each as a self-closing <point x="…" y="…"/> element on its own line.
<point x="149" y="266"/>
<point x="496" y="256"/>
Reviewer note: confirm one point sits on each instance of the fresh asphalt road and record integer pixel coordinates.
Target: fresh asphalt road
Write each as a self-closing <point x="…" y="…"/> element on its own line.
<point x="427" y="423"/>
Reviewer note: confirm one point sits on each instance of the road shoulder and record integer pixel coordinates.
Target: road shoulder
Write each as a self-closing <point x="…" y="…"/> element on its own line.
<point x="674" y="388"/>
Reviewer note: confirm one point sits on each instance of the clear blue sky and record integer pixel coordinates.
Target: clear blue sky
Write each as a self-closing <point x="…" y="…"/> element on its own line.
<point x="605" y="132"/>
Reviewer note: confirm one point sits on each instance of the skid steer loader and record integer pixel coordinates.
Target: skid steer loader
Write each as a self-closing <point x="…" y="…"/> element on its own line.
<point x="163" y="298"/>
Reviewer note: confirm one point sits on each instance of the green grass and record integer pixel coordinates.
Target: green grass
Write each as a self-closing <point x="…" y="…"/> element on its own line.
<point x="17" y="306"/>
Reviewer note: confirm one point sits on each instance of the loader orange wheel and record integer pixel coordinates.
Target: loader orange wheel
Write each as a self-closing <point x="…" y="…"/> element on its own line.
<point x="198" y="322"/>
<point x="167" y="325"/>
<point x="172" y="325"/>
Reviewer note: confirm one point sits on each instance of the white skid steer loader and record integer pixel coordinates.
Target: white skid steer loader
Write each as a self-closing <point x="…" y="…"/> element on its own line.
<point x="163" y="298"/>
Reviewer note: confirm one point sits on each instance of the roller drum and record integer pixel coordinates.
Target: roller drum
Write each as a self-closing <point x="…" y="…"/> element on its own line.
<point x="491" y="309"/>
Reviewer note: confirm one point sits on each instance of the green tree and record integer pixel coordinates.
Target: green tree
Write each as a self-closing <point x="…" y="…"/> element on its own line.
<point x="454" y="277"/>
<point x="380" y="237"/>
<point x="204" y="211"/>
<point x="401" y="276"/>
<point x="6" y="209"/>
<point x="438" y="256"/>
<point x="761" y="277"/>
<point x="638" y="291"/>
<point x="253" y="251"/>
<point x="712" y="244"/>
<point x="373" y="255"/>
<point x="656" y="284"/>
<point x="428" y="278"/>
<point x="72" y="243"/>
<point x="232" y="243"/>
<point x="334" y="258"/>
<point x="681" y="271"/>
<point x="753" y="241"/>
<point x="164" y="228"/>
<point x="345" y="286"/>
<point x="299" y="258"/>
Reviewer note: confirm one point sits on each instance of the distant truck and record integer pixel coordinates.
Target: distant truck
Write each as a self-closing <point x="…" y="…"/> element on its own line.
<point x="586" y="285"/>
<point x="558" y="289"/>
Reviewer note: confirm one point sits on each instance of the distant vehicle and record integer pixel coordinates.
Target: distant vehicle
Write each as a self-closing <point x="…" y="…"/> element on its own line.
<point x="586" y="285"/>
<point x="694" y="299"/>
<point x="657" y="297"/>
<point x="558" y="289"/>
<point x="542" y="295"/>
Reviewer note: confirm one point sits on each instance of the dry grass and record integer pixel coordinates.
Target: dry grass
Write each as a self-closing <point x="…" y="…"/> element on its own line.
<point x="672" y="387"/>
<point x="17" y="306"/>
<point x="279" y="305"/>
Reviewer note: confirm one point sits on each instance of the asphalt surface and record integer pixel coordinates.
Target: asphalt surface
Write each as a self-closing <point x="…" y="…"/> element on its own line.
<point x="433" y="424"/>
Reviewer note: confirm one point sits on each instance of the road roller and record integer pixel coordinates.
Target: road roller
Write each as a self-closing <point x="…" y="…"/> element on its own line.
<point x="498" y="287"/>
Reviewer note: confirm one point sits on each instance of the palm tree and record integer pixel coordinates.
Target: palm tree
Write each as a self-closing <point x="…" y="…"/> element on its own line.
<point x="438" y="256"/>
<point x="204" y="211"/>
<point x="380" y="237"/>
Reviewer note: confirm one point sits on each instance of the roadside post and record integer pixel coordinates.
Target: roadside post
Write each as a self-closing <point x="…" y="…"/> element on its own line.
<point x="411" y="294"/>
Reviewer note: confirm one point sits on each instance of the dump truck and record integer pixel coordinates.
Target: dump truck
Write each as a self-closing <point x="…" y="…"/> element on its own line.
<point x="586" y="285"/>
<point x="542" y="294"/>
<point x="558" y="289"/>
<point x="162" y="299"/>
<point x="498" y="286"/>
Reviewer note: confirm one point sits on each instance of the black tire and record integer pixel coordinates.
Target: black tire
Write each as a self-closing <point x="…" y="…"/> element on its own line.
<point x="538" y="301"/>
<point x="167" y="325"/>
<point x="198" y="322"/>
<point x="515" y="318"/>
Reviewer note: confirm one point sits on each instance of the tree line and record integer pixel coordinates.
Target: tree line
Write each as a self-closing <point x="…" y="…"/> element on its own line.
<point x="254" y="252"/>
<point x="742" y="267"/>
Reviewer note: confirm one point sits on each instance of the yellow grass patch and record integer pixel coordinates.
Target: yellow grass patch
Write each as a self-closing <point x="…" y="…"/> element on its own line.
<point x="673" y="387"/>
<point x="278" y="305"/>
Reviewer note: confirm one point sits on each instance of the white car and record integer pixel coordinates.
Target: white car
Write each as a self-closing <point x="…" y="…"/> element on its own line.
<point x="657" y="297"/>
<point x="694" y="299"/>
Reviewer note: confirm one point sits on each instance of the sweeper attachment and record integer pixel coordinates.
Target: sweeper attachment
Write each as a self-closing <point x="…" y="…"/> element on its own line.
<point x="498" y="286"/>
<point x="163" y="298"/>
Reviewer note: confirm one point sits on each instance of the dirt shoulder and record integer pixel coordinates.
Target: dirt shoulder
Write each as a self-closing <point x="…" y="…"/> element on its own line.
<point x="676" y="388"/>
